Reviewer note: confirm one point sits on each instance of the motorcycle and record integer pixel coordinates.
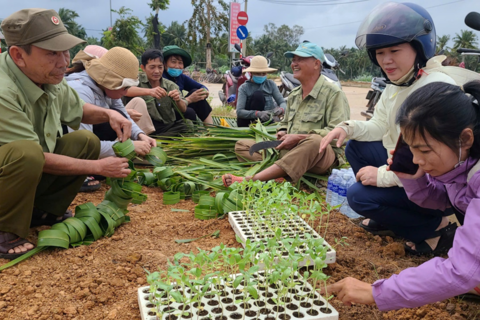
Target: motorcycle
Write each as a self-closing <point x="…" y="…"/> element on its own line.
<point x="378" y="84"/>
<point x="329" y="68"/>
<point x="235" y="77"/>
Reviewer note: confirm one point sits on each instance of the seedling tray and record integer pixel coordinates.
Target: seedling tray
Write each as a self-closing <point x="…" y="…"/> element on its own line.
<point x="247" y="228"/>
<point x="295" y="308"/>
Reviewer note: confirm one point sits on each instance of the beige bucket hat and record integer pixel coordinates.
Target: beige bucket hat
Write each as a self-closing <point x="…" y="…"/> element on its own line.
<point x="259" y="64"/>
<point x="116" y="69"/>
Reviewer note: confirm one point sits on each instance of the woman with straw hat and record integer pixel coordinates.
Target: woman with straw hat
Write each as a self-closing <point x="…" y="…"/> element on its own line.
<point x="259" y="98"/>
<point x="103" y="83"/>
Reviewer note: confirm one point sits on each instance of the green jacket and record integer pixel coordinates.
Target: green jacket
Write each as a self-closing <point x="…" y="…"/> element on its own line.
<point x="160" y="109"/>
<point x="32" y="113"/>
<point x="321" y="110"/>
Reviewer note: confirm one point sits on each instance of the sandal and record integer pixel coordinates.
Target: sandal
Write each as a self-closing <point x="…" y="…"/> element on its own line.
<point x="88" y="187"/>
<point x="43" y="218"/>
<point x="10" y="241"/>
<point x="234" y="179"/>
<point x="376" y="229"/>
<point x="471" y="296"/>
<point x="444" y="244"/>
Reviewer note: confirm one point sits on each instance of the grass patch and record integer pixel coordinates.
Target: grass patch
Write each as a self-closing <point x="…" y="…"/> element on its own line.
<point x="224" y="111"/>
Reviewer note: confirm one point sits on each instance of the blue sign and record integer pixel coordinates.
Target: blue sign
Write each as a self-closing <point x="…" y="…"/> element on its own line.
<point x="242" y="32"/>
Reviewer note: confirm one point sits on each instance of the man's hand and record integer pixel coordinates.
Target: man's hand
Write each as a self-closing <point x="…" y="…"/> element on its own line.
<point x="281" y="133"/>
<point x="142" y="147"/>
<point x="143" y="137"/>
<point x="112" y="167"/>
<point x="200" y="94"/>
<point x="337" y="133"/>
<point x="368" y="176"/>
<point x="134" y="114"/>
<point x="175" y="95"/>
<point x="121" y="125"/>
<point x="350" y="290"/>
<point x="158" y="92"/>
<point x="289" y="141"/>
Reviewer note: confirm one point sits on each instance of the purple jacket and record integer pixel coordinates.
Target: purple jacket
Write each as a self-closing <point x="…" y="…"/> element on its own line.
<point x="439" y="278"/>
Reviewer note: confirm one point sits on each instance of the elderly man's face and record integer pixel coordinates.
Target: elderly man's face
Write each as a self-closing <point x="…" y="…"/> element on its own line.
<point x="305" y="68"/>
<point x="42" y="66"/>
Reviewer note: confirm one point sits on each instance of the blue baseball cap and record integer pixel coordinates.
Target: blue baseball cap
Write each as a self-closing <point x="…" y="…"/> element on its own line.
<point x="307" y="49"/>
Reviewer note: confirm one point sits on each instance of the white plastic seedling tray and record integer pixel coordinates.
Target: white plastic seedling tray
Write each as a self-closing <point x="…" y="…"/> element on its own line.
<point x="247" y="228"/>
<point x="297" y="308"/>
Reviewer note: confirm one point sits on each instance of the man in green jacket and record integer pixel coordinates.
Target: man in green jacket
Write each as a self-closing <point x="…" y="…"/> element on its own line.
<point x="159" y="95"/>
<point x="313" y="109"/>
<point x="42" y="170"/>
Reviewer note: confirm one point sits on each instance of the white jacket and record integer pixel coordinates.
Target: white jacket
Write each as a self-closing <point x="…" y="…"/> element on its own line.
<point x="382" y="125"/>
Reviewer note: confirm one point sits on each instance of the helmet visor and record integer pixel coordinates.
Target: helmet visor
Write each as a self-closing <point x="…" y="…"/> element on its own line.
<point x="391" y="23"/>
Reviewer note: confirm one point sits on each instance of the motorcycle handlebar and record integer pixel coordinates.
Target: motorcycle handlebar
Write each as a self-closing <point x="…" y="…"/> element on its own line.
<point x="464" y="50"/>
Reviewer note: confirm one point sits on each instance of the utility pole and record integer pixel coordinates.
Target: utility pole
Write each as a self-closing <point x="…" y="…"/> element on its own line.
<point x="111" y="25"/>
<point x="244" y="41"/>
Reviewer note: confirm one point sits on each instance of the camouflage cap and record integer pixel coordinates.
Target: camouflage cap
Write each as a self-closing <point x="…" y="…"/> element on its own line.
<point x="39" y="27"/>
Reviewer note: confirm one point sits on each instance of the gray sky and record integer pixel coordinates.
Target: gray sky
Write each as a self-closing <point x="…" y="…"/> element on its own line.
<point x="328" y="25"/>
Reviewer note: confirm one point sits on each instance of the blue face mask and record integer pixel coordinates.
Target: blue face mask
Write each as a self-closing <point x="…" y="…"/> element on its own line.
<point x="174" y="72"/>
<point x="259" y="79"/>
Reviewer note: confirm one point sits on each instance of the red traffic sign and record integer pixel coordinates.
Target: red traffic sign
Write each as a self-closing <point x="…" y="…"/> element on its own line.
<point x="242" y="18"/>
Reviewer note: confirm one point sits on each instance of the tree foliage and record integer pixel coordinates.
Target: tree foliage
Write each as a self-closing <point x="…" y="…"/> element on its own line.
<point x="68" y="18"/>
<point x="209" y="19"/>
<point x="124" y="32"/>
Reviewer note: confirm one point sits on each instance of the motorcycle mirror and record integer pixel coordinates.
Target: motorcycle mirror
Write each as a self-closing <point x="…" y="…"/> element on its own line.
<point x="269" y="55"/>
<point x="237" y="47"/>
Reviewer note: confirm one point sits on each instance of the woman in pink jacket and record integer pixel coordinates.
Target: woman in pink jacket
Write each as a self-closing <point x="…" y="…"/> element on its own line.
<point x="441" y="124"/>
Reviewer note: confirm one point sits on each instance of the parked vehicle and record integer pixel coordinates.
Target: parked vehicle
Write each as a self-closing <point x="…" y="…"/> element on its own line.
<point x="329" y="68"/>
<point x="377" y="85"/>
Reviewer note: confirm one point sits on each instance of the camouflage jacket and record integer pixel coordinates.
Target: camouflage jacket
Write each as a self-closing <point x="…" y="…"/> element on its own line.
<point x="321" y="110"/>
<point x="159" y="109"/>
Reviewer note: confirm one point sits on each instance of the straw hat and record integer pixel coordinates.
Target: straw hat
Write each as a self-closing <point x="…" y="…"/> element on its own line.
<point x="116" y="69"/>
<point x="259" y="64"/>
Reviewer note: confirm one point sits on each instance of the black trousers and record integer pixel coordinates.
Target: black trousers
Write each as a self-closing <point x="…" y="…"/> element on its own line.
<point x="200" y="108"/>
<point x="255" y="102"/>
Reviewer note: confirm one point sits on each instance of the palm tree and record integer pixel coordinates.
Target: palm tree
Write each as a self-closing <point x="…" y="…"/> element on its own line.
<point x="176" y="34"/>
<point x="466" y="39"/>
<point x="207" y="19"/>
<point x="68" y="18"/>
<point x="442" y="43"/>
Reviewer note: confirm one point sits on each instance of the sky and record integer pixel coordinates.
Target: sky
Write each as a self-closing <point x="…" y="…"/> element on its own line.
<point x="330" y="26"/>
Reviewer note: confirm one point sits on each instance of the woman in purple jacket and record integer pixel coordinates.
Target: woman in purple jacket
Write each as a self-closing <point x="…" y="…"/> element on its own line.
<point x="441" y="124"/>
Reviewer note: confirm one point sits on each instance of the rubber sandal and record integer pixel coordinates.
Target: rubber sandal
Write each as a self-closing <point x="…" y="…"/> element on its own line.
<point x="377" y="229"/>
<point x="9" y="241"/>
<point x="43" y="218"/>
<point x="87" y="187"/>
<point x="444" y="244"/>
<point x="234" y="179"/>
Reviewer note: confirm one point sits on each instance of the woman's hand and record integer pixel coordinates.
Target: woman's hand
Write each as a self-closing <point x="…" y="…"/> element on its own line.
<point x="351" y="290"/>
<point x="337" y="133"/>
<point x="420" y="173"/>
<point x="368" y="176"/>
<point x="143" y="137"/>
<point x="142" y="147"/>
<point x="200" y="94"/>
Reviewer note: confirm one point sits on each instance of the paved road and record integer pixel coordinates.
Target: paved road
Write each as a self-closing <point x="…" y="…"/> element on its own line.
<point x="355" y="95"/>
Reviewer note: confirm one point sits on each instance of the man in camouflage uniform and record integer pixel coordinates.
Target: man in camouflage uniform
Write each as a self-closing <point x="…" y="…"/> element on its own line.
<point x="313" y="109"/>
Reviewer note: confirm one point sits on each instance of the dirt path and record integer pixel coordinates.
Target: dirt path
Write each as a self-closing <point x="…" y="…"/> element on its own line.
<point x="100" y="281"/>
